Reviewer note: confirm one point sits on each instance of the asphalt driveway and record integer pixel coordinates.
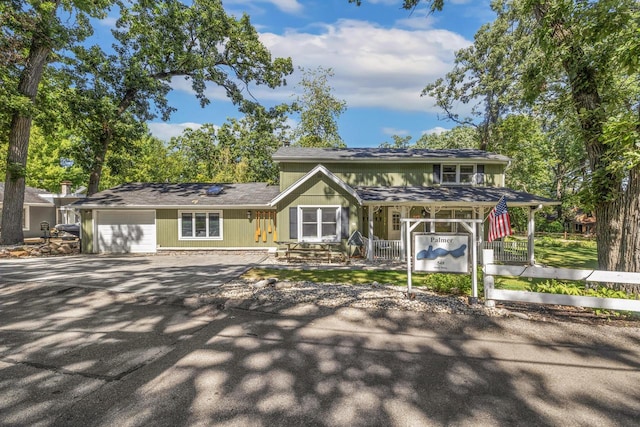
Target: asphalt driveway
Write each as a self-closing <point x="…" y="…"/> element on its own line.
<point x="152" y="274"/>
<point x="73" y="353"/>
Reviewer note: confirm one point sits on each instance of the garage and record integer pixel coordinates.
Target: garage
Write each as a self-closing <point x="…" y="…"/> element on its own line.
<point x="126" y="231"/>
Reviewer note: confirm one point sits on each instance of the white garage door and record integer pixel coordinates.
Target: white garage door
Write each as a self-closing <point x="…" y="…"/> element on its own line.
<point x="126" y="231"/>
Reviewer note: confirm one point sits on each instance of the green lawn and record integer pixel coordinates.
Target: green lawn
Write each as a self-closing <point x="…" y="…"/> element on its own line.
<point x="556" y="253"/>
<point x="549" y="252"/>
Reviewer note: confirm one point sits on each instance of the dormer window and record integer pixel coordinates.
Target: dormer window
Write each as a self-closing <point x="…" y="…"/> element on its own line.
<point x="458" y="174"/>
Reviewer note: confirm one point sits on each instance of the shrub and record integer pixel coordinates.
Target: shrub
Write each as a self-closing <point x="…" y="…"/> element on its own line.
<point x="451" y="283"/>
<point x="566" y="288"/>
<point x="551" y="227"/>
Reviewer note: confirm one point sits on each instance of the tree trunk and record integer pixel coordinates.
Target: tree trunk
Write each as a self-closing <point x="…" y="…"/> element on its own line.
<point x="12" y="204"/>
<point x="618" y="208"/>
<point x="96" y="170"/>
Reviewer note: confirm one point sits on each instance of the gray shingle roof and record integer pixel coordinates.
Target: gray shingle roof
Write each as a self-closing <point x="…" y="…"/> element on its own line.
<point x="449" y="195"/>
<point x="31" y="195"/>
<point x="192" y="194"/>
<point x="302" y="154"/>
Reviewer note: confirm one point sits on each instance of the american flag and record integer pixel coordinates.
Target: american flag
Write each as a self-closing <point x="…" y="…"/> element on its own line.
<point x="499" y="221"/>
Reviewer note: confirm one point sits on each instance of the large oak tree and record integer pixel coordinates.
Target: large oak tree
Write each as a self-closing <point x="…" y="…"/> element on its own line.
<point x="32" y="32"/>
<point x="577" y="60"/>
<point x="157" y="42"/>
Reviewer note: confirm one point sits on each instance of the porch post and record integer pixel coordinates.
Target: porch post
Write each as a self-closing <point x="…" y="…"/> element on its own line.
<point x="432" y="225"/>
<point x="403" y="214"/>
<point x="370" y="248"/>
<point x="530" y="232"/>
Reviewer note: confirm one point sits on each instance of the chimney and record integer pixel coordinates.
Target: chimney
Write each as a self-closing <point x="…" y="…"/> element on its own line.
<point x="65" y="188"/>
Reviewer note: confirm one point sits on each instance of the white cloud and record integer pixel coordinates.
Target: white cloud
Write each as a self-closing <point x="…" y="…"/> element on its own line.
<point x="436" y="130"/>
<point x="394" y="131"/>
<point x="373" y="66"/>
<point x="109" y="21"/>
<point x="166" y="131"/>
<point x="287" y="6"/>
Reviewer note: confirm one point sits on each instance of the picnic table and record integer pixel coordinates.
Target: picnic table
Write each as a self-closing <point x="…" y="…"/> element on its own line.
<point x="313" y="249"/>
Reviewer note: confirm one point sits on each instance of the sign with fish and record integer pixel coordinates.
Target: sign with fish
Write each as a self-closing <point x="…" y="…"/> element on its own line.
<point x="441" y="253"/>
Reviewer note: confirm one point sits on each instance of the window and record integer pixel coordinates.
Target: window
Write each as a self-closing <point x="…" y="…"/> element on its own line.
<point x="458" y="174"/>
<point x="200" y="225"/>
<point x="395" y="221"/>
<point x="319" y="223"/>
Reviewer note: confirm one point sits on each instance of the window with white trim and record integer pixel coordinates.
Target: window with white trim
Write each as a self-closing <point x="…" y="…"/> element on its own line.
<point x="197" y="225"/>
<point x="458" y="174"/>
<point x="319" y="223"/>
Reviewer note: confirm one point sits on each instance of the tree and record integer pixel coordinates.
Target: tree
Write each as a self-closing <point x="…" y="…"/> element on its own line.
<point x="582" y="56"/>
<point x="319" y="111"/>
<point x="238" y="151"/>
<point x="155" y="43"/>
<point x="398" y="142"/>
<point x="32" y="30"/>
<point x="458" y="137"/>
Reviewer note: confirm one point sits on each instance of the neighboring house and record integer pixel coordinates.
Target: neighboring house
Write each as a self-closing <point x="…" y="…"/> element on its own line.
<point x="583" y="223"/>
<point x="35" y="210"/>
<point x="324" y="195"/>
<point x="42" y="206"/>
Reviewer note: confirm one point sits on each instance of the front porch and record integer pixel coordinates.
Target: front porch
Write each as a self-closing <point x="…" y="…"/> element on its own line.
<point x="385" y="224"/>
<point x="507" y="252"/>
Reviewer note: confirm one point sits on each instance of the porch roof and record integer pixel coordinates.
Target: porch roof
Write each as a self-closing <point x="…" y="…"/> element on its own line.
<point x="453" y="195"/>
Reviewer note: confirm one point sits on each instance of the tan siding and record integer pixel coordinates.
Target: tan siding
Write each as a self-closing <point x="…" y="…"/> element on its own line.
<point x="238" y="231"/>
<point x="37" y="214"/>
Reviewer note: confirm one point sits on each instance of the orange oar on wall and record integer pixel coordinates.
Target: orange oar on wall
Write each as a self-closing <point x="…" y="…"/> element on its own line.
<point x="269" y="230"/>
<point x="257" y="226"/>
<point x="275" y="227"/>
<point x="264" y="228"/>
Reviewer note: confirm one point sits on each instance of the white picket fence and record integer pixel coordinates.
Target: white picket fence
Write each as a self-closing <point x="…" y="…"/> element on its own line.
<point x="492" y="294"/>
<point x="509" y="252"/>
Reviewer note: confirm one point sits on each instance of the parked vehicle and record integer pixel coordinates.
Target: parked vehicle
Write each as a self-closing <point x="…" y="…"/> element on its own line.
<point x="61" y="230"/>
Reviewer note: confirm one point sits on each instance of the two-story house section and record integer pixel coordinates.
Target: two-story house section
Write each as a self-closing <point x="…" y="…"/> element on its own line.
<point x="324" y="195"/>
<point x="373" y="189"/>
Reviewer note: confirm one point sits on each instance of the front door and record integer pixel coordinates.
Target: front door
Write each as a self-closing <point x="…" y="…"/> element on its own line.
<point x="393" y="233"/>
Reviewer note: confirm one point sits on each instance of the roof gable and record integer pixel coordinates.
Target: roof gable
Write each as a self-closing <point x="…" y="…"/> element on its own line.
<point x="318" y="169"/>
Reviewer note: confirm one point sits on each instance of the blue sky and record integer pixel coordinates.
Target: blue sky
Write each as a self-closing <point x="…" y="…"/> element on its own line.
<point x="382" y="57"/>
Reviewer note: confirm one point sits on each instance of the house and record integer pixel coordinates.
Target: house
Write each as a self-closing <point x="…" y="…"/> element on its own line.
<point x="35" y="209"/>
<point x="323" y="196"/>
<point x="42" y="206"/>
<point x="582" y="223"/>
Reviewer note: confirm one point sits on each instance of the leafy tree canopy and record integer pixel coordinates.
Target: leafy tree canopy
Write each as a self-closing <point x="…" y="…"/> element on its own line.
<point x="319" y="111"/>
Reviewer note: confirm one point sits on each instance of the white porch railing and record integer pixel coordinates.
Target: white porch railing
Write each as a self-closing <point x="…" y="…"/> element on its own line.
<point x="386" y="250"/>
<point x="508" y="251"/>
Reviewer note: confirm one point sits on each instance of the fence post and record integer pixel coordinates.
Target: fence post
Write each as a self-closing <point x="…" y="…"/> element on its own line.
<point x="487" y="280"/>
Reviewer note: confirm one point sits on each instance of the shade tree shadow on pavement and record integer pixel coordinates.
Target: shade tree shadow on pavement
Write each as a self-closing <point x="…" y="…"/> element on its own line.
<point x="81" y="357"/>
